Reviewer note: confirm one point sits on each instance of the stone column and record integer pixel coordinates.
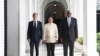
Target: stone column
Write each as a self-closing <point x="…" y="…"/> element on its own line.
<point x="89" y="8"/>
<point x="12" y="28"/>
<point x="23" y="23"/>
<point x="85" y="27"/>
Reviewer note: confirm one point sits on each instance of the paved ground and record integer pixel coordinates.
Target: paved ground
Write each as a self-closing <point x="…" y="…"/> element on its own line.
<point x="59" y="50"/>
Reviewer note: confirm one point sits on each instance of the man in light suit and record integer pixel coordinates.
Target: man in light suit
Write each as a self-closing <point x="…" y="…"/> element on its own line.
<point x="69" y="33"/>
<point x="34" y="34"/>
<point x="50" y="36"/>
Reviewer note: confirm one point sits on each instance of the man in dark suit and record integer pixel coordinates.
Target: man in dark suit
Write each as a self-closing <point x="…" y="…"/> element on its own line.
<point x="69" y="33"/>
<point x="34" y="34"/>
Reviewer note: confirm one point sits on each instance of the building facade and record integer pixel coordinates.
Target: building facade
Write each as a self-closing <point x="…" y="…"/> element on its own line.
<point x="19" y="13"/>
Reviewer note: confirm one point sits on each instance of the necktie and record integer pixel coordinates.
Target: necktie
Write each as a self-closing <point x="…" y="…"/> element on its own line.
<point x="68" y="22"/>
<point x="35" y="24"/>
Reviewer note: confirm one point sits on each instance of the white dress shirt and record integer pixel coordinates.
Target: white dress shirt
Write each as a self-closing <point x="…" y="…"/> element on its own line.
<point x="50" y="33"/>
<point x="69" y="20"/>
<point x="34" y="22"/>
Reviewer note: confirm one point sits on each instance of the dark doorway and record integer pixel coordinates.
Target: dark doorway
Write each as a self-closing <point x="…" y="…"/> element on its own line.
<point x="98" y="21"/>
<point x="56" y="10"/>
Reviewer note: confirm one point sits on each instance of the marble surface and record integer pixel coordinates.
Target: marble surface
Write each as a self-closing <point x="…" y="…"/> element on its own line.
<point x="58" y="50"/>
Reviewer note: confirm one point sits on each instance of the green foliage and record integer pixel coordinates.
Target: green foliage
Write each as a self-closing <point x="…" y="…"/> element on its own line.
<point x="80" y="40"/>
<point x="98" y="42"/>
<point x="98" y="36"/>
<point x="98" y="46"/>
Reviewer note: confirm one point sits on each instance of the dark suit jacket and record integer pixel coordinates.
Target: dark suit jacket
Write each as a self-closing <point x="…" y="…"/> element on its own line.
<point x="66" y="31"/>
<point x="34" y="33"/>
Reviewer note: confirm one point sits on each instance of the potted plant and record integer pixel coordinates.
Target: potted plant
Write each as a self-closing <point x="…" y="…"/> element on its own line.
<point x="80" y="40"/>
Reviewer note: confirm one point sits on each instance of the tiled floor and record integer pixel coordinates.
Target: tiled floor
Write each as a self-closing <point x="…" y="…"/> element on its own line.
<point x="58" y="50"/>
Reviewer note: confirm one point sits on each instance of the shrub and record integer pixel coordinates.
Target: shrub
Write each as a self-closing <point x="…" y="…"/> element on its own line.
<point x="98" y="43"/>
<point x="80" y="40"/>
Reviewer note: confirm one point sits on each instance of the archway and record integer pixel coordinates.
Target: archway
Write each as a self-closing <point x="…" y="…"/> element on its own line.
<point x="56" y="10"/>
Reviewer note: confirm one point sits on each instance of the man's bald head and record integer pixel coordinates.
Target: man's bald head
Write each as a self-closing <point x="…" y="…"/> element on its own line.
<point x="68" y="13"/>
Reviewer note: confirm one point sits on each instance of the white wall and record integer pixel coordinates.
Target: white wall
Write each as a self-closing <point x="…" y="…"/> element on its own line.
<point x="1" y="27"/>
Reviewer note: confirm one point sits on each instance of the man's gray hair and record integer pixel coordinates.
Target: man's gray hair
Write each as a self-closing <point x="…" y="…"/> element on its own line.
<point x="35" y="14"/>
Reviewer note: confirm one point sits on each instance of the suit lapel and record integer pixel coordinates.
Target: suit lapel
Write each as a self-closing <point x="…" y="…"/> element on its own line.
<point x="71" y="23"/>
<point x="32" y="24"/>
<point x="66" y="21"/>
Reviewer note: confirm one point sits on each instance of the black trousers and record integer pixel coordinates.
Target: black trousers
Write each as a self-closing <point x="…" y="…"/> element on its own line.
<point x="69" y="43"/>
<point x="50" y="49"/>
<point x="32" y="44"/>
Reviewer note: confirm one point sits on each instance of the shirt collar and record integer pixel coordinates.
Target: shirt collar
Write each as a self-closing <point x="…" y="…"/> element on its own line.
<point x="69" y="17"/>
<point x="35" y="20"/>
<point x="50" y="23"/>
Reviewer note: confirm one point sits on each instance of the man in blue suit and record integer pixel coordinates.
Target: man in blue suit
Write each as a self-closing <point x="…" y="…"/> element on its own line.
<point x="34" y="34"/>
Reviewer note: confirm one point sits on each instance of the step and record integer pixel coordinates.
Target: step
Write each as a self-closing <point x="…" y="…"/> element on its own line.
<point x="58" y="51"/>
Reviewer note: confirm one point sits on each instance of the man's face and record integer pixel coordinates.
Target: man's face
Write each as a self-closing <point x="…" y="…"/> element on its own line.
<point x="35" y="17"/>
<point x="50" y="20"/>
<point x="68" y="14"/>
